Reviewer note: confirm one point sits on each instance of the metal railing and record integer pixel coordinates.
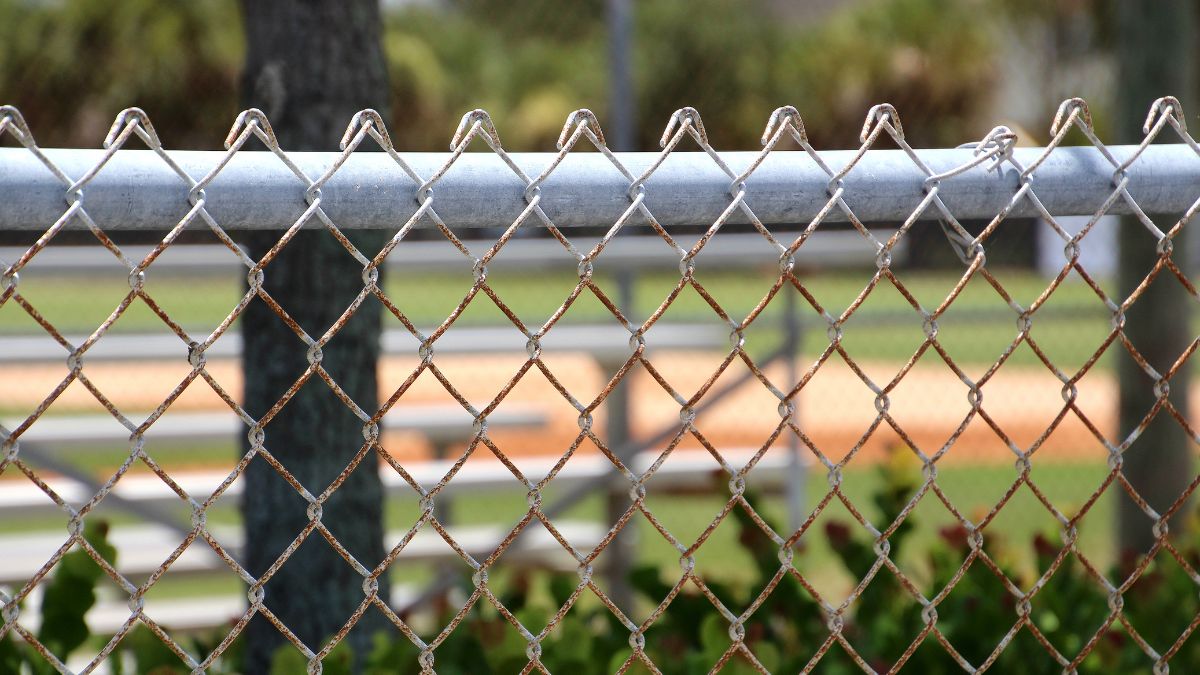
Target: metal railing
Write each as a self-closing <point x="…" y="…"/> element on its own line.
<point x="51" y="191"/>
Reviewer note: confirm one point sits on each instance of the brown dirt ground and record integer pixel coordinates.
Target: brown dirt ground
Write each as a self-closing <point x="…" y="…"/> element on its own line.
<point x="836" y="408"/>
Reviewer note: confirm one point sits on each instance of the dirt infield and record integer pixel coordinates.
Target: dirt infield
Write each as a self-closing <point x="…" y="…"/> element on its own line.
<point x="836" y="408"/>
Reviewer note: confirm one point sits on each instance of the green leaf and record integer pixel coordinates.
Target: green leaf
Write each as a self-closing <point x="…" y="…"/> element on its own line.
<point x="617" y="660"/>
<point x="714" y="637"/>
<point x="288" y="661"/>
<point x="508" y="652"/>
<point x="464" y="651"/>
<point x="71" y="592"/>
<point x="561" y="588"/>
<point x="574" y="641"/>
<point x="768" y="655"/>
<point x="340" y="660"/>
<point x="391" y="655"/>
<point x="149" y="654"/>
<point x="647" y="580"/>
<point x="11" y="654"/>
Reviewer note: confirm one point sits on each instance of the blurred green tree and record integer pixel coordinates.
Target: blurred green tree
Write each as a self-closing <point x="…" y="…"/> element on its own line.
<point x="529" y="63"/>
<point x="71" y="66"/>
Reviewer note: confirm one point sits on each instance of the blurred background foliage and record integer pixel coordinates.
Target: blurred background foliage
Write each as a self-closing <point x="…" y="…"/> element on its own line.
<point x="71" y="66"/>
<point x="952" y="67"/>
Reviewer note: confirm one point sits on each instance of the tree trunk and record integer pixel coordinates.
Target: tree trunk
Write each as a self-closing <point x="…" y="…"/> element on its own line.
<point x="310" y="66"/>
<point x="1157" y="57"/>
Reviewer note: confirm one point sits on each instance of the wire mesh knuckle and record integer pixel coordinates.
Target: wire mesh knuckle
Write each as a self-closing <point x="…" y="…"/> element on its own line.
<point x="633" y="467"/>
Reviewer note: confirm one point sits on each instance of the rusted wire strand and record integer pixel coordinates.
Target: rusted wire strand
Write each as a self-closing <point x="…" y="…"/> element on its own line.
<point x="685" y="128"/>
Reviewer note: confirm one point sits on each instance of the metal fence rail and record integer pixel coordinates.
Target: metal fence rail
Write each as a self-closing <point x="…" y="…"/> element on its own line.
<point x="138" y="190"/>
<point x="155" y="189"/>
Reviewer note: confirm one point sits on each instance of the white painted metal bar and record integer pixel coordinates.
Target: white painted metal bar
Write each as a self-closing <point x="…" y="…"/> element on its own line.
<point x="824" y="248"/>
<point x="438" y="423"/>
<point x="142" y="548"/>
<point x="605" y="341"/>
<point x="687" y="470"/>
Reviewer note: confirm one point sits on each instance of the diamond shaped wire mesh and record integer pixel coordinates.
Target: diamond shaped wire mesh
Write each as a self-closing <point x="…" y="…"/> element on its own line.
<point x="685" y="127"/>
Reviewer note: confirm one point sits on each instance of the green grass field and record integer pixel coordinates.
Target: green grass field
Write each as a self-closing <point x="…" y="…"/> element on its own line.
<point x="976" y="328"/>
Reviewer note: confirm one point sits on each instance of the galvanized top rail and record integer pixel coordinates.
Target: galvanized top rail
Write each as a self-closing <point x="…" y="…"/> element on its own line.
<point x="123" y="188"/>
<point x="137" y="190"/>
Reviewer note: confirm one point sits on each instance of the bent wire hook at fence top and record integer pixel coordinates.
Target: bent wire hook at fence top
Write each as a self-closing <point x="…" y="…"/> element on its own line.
<point x="52" y="190"/>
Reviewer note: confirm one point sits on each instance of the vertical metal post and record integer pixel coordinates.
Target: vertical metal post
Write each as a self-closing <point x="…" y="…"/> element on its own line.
<point x="621" y="551"/>
<point x="443" y="506"/>
<point x="794" y="491"/>
<point x="621" y="102"/>
<point x="1160" y="463"/>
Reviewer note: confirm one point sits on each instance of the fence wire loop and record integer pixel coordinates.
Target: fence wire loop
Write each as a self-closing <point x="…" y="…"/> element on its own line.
<point x="684" y="119"/>
<point x="471" y="124"/>
<point x="12" y="121"/>
<point x="132" y="120"/>
<point x="584" y="120"/>
<point x="785" y="119"/>
<point x="1070" y="112"/>
<point x="471" y="584"/>
<point x="370" y="122"/>
<point x="1167" y="109"/>
<point x="881" y="116"/>
<point x="251" y="121"/>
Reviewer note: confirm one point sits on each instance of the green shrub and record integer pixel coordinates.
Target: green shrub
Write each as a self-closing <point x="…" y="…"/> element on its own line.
<point x="68" y="595"/>
<point x="784" y="632"/>
<point x="789" y="626"/>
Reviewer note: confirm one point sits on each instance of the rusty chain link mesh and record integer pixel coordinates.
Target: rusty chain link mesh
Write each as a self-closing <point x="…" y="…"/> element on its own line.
<point x="582" y="129"/>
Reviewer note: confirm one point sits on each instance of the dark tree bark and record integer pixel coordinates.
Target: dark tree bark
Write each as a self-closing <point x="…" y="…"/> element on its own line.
<point x="1157" y="57"/>
<point x="310" y="65"/>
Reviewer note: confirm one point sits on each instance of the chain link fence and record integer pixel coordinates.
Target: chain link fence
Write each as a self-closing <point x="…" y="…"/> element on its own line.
<point x="784" y="198"/>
